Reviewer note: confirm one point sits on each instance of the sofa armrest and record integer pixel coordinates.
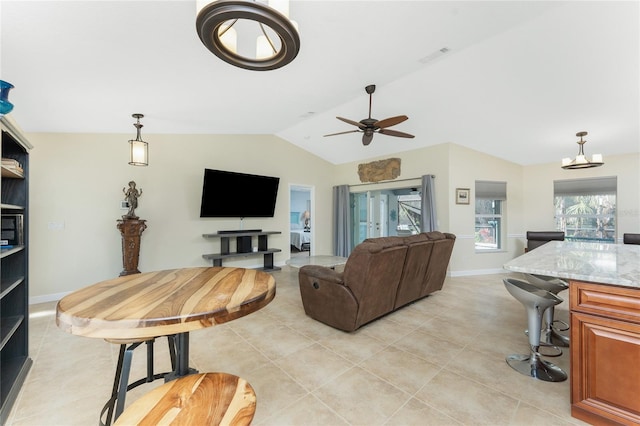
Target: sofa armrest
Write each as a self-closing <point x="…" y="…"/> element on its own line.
<point x="326" y="298"/>
<point x="323" y="273"/>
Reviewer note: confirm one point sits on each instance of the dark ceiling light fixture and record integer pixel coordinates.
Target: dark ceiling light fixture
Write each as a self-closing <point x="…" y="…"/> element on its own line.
<point x="581" y="161"/>
<point x="139" y="149"/>
<point x="278" y="41"/>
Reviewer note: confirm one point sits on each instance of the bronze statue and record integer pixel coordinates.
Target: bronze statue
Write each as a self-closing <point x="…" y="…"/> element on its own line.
<point x="131" y="196"/>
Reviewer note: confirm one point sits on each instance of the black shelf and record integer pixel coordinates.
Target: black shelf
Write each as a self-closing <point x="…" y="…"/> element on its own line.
<point x="9" y="284"/>
<point x="244" y="247"/>
<point x="4" y="252"/>
<point x="8" y="328"/>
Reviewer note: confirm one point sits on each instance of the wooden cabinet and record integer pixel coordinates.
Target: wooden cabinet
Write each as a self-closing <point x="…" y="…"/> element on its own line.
<point x="14" y="288"/>
<point x="605" y="353"/>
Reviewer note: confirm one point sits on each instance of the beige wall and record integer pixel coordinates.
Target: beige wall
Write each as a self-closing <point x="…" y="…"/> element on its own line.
<point x="529" y="203"/>
<point x="457" y="167"/>
<point x="538" y="202"/>
<point x="77" y="180"/>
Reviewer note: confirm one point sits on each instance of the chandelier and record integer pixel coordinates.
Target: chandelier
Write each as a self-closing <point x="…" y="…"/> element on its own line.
<point x="268" y="38"/>
<point x="581" y="161"/>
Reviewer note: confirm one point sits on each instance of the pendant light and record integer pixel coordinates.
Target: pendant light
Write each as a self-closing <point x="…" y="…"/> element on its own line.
<point x="139" y="149"/>
<point x="581" y="161"/>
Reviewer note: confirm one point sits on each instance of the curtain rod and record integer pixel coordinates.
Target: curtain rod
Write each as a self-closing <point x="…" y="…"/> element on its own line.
<point x="388" y="181"/>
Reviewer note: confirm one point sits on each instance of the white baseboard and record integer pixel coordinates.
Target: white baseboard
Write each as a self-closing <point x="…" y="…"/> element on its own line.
<point x="478" y="272"/>
<point x="47" y="298"/>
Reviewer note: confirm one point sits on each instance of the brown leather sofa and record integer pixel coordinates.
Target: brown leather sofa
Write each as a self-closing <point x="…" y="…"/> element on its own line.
<point x="380" y="276"/>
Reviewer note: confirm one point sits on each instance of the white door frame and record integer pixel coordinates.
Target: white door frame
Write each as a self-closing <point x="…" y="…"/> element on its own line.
<point x="312" y="209"/>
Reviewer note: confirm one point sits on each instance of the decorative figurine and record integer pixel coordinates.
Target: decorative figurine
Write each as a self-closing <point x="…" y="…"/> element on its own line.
<point x="131" y="196"/>
<point x="131" y="228"/>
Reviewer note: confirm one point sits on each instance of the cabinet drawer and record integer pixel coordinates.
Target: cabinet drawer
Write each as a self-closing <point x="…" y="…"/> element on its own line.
<point x="605" y="300"/>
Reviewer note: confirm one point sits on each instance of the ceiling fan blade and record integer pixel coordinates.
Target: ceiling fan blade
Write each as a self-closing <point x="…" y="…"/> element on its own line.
<point x="395" y="133"/>
<point x="392" y="121"/>
<point x="353" y="123"/>
<point x="367" y="138"/>
<point x="342" y="133"/>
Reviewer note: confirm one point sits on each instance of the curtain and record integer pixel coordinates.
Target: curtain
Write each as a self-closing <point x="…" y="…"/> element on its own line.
<point x="428" y="205"/>
<point x="341" y="223"/>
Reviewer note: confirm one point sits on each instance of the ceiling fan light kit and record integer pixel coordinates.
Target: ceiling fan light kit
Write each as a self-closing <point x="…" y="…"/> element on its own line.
<point x="581" y="161"/>
<point x="216" y="23"/>
<point x="368" y="126"/>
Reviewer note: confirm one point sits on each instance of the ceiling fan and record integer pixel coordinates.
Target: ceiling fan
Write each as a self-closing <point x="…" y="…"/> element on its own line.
<point x="369" y="126"/>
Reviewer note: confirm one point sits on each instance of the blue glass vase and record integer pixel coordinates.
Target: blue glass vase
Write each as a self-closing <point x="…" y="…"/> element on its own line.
<point x="5" y="105"/>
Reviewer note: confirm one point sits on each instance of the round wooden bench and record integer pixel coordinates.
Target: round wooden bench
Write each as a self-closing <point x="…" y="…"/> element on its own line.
<point x="197" y="399"/>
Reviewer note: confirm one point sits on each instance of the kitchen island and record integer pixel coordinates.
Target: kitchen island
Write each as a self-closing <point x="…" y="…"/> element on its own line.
<point x="604" y="301"/>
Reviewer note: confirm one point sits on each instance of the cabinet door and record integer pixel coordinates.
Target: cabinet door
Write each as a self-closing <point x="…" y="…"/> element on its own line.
<point x="605" y="369"/>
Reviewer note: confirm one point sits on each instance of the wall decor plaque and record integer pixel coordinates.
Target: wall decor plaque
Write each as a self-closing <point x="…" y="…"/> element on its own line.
<point x="380" y="170"/>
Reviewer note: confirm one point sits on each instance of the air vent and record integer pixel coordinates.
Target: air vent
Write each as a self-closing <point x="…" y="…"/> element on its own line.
<point x="435" y="55"/>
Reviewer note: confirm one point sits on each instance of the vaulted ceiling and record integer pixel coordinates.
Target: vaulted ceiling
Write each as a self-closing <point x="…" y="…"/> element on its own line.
<point x="519" y="80"/>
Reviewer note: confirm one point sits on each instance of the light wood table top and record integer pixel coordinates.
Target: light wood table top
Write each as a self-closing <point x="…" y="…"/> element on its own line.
<point x="166" y="302"/>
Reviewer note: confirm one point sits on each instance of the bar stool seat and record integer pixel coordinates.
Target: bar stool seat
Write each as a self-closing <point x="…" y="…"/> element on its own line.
<point x="550" y="335"/>
<point x="535" y="301"/>
<point x="198" y="399"/>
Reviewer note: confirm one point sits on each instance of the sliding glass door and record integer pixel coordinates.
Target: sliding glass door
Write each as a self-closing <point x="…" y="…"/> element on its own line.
<point x="383" y="213"/>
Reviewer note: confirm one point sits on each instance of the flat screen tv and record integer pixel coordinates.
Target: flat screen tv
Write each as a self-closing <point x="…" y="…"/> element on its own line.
<point x="231" y="194"/>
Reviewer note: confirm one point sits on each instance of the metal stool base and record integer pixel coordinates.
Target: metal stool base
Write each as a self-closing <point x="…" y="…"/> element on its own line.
<point x="547" y="347"/>
<point x="534" y="366"/>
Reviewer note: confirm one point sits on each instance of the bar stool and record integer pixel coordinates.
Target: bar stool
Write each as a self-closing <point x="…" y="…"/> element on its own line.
<point x="198" y="399"/>
<point x="535" y="301"/>
<point x="121" y="385"/>
<point x="550" y="335"/>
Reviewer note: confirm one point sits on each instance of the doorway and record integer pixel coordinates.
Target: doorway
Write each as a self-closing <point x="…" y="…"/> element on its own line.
<point x="301" y="220"/>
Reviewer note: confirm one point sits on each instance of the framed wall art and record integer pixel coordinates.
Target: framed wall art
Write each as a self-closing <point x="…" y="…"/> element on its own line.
<point x="463" y="195"/>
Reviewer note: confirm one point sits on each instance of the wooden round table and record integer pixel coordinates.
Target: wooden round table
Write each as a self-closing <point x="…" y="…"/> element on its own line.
<point x="165" y="303"/>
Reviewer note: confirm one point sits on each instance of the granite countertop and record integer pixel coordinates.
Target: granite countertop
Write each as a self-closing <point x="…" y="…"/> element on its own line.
<point x="617" y="264"/>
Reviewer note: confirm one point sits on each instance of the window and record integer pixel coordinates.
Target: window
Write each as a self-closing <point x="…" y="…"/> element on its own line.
<point x="585" y="209"/>
<point x="490" y="200"/>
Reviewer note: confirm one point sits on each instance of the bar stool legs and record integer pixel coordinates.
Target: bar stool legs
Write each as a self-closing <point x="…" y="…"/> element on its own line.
<point x="121" y="385"/>
<point x="535" y="301"/>
<point x="550" y="335"/>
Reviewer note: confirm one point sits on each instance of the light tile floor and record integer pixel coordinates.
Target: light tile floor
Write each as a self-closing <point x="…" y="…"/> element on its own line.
<point x="439" y="361"/>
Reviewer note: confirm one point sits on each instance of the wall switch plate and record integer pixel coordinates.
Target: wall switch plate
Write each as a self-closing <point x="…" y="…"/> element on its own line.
<point x="55" y="226"/>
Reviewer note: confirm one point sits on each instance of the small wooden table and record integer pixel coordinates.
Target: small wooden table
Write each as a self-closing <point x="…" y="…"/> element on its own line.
<point x="164" y="303"/>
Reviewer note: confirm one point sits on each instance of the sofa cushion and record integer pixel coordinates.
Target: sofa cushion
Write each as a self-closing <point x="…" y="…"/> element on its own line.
<point x="416" y="262"/>
<point x="372" y="273"/>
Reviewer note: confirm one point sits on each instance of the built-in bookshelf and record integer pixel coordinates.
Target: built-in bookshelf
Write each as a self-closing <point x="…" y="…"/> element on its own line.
<point x="14" y="271"/>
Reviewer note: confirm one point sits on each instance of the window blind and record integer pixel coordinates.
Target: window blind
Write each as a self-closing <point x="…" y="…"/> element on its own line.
<point x="587" y="186"/>
<point x="490" y="190"/>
